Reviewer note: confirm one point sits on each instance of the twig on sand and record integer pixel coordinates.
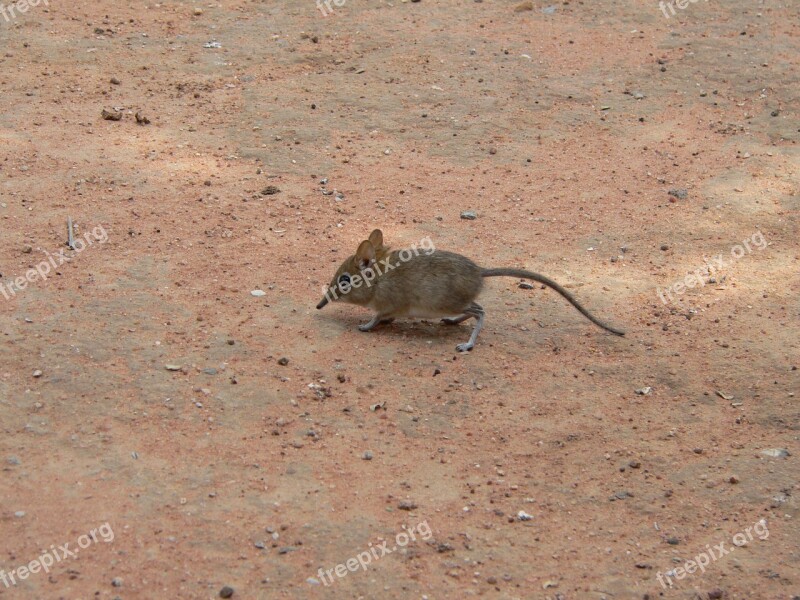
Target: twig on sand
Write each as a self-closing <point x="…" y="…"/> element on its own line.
<point x="70" y="234"/>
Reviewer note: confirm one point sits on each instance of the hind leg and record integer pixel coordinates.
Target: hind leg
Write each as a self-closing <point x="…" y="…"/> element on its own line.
<point x="456" y="320"/>
<point x="476" y="311"/>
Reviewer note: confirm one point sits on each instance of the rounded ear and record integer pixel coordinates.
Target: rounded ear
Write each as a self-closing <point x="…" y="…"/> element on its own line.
<point x="376" y="238"/>
<point x="365" y="255"/>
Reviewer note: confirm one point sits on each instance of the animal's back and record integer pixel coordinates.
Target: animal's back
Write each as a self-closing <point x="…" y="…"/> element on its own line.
<point x="432" y="285"/>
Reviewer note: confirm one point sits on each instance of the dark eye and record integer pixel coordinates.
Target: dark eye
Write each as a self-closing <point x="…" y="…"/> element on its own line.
<point x="344" y="279"/>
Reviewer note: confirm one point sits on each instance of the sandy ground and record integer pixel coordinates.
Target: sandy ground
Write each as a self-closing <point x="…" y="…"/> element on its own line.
<point x="148" y="425"/>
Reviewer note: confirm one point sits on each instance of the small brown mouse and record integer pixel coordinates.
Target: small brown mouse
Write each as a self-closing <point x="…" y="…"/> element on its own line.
<point x="424" y="283"/>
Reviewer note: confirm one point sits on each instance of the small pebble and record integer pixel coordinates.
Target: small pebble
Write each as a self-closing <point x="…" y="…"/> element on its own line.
<point x="198" y="11"/>
<point x="367" y="455"/>
<point x="111" y="115"/>
<point x="115" y="81"/>
<point x="679" y="193"/>
<point x="226" y="592"/>
<point x="258" y="293"/>
<point x="525" y="286"/>
<point x="771" y="452"/>
<point x="37" y="373"/>
<point x="469" y="215"/>
<point x="19" y="514"/>
<point x="116" y="582"/>
<point x="523" y="516"/>
<point x="283" y="361"/>
<point x="407" y="505"/>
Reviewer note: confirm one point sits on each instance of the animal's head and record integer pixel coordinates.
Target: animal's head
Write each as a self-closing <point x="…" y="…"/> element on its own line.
<point x="354" y="278"/>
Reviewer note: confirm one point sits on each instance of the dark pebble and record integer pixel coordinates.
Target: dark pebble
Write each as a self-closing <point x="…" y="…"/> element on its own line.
<point x="226" y="592"/>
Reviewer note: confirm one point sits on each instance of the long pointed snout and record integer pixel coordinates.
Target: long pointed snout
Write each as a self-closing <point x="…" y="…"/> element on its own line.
<point x="322" y="302"/>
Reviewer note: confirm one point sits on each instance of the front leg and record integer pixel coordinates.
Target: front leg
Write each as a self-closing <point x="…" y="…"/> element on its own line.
<point x="376" y="320"/>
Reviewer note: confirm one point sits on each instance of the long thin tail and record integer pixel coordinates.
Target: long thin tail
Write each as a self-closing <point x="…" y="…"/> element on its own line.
<point x="552" y="284"/>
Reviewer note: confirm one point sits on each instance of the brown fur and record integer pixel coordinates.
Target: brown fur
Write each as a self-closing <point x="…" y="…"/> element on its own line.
<point x="438" y="284"/>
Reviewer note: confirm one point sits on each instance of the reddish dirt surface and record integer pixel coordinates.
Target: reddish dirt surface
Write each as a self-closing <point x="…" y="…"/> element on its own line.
<point x="564" y="131"/>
